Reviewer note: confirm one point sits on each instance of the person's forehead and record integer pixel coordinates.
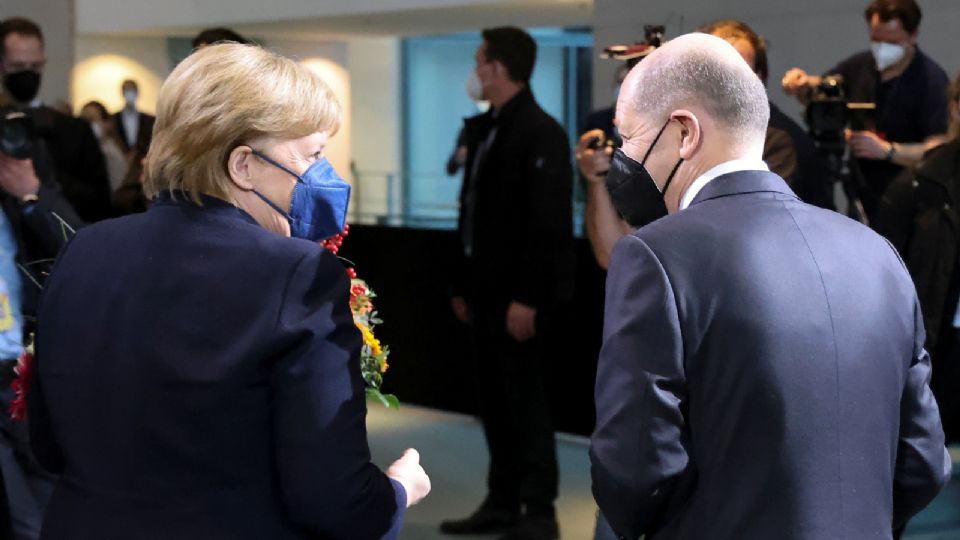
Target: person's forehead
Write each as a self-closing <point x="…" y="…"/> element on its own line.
<point x="20" y="46"/>
<point x="892" y="29"/>
<point x="743" y="46"/>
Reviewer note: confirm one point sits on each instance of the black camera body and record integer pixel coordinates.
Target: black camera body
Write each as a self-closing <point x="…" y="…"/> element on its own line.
<point x="596" y="143"/>
<point x="17" y="133"/>
<point x="829" y="114"/>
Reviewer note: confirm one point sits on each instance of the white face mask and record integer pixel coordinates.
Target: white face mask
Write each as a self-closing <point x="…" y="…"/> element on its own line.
<point x="97" y="129"/>
<point x="887" y="54"/>
<point x="474" y="86"/>
<point x="130" y="96"/>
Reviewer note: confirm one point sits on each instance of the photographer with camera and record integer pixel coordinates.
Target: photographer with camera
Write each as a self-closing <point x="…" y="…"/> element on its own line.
<point x="31" y="235"/>
<point x="79" y="163"/>
<point x="907" y="87"/>
<point x="787" y="150"/>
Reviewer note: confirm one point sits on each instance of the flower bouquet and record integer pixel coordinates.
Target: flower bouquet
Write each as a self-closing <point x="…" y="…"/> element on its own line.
<point x="373" y="355"/>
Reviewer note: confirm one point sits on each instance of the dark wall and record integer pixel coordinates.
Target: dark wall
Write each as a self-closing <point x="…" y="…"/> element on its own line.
<point x="430" y="362"/>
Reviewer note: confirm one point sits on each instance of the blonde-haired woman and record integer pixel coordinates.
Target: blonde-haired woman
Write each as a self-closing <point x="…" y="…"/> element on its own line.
<point x="197" y="369"/>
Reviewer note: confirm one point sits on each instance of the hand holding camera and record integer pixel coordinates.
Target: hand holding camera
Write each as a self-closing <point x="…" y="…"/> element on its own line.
<point x="869" y="145"/>
<point x="593" y="155"/>
<point x="17" y="177"/>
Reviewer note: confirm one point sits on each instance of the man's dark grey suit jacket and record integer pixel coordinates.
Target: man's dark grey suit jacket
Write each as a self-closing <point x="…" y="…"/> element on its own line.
<point x="762" y="376"/>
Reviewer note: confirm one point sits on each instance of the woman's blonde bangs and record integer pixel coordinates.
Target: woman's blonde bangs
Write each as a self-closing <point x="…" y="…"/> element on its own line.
<point x="220" y="97"/>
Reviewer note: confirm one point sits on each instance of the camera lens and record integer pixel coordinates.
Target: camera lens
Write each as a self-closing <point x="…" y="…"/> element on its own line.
<point x="16" y="136"/>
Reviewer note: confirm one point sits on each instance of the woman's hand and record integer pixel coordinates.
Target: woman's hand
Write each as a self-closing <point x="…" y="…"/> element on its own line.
<point x="412" y="477"/>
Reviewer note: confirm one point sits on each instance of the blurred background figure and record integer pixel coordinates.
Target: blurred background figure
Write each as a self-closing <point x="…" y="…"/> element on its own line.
<point x="918" y="214"/>
<point x="80" y="166"/>
<point x="210" y="36"/>
<point x="906" y="87"/>
<point x="105" y="129"/>
<point x="34" y="222"/>
<point x="134" y="128"/>
<point x="518" y="185"/>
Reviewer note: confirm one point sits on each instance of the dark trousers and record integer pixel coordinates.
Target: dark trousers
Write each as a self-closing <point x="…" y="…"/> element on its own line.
<point x="515" y="412"/>
<point x="26" y="486"/>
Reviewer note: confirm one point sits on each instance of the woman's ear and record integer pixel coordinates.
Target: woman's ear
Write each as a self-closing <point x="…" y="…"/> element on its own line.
<point x="239" y="165"/>
<point x="691" y="133"/>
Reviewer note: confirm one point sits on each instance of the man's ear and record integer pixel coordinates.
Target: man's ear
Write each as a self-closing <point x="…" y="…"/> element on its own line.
<point x="239" y="165"/>
<point x="691" y="133"/>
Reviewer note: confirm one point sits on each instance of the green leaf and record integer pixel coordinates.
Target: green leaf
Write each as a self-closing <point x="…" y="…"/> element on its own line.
<point x="389" y="401"/>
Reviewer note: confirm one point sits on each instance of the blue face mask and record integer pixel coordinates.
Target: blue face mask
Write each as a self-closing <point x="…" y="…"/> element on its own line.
<point x="320" y="199"/>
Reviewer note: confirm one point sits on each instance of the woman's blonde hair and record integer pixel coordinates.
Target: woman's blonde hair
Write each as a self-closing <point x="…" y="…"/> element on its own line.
<point x="223" y="96"/>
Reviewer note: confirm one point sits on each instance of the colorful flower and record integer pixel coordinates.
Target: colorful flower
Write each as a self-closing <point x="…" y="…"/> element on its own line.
<point x="21" y="384"/>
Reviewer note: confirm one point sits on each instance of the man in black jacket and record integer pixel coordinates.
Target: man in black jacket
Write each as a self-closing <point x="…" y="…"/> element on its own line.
<point x="34" y="225"/>
<point x="516" y="232"/>
<point x="918" y="214"/>
<point x="79" y="164"/>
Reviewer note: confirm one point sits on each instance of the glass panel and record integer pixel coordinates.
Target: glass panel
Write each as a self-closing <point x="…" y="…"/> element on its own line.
<point x="435" y="104"/>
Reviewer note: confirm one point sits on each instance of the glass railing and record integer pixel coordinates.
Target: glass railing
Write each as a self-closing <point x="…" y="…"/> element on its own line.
<point x="428" y="201"/>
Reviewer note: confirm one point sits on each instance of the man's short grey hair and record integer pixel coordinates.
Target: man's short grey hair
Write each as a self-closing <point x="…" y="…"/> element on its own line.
<point x="723" y="85"/>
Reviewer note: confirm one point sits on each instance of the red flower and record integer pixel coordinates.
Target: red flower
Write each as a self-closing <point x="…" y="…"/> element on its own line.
<point x="20" y="385"/>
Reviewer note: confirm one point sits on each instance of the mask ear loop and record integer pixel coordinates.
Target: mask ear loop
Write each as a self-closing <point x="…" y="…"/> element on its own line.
<point x="649" y="150"/>
<point x="270" y="203"/>
<point x="670" y="178"/>
<point x="655" y="141"/>
<point x="264" y="157"/>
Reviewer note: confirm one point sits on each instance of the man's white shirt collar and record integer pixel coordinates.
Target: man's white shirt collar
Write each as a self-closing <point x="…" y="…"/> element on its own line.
<point x="726" y="167"/>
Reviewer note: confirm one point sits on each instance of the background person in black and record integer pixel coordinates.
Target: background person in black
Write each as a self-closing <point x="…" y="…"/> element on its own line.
<point x="788" y="150"/>
<point x="134" y="127"/>
<point x="907" y="87"/>
<point x="29" y="198"/>
<point x="918" y="214"/>
<point x="80" y="167"/>
<point x="516" y="227"/>
<point x="602" y="119"/>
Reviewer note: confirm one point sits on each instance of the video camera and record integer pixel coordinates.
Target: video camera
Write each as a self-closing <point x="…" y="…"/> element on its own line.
<point x="632" y="54"/>
<point x="17" y="133"/>
<point x="829" y="114"/>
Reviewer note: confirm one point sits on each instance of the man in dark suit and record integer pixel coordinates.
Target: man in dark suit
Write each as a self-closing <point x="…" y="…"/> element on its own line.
<point x="516" y="232"/>
<point x="80" y="167"/>
<point x="134" y="127"/>
<point x="762" y="373"/>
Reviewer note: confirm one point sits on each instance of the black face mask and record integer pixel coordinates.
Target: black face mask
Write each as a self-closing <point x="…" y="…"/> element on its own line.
<point x="632" y="190"/>
<point x="23" y="85"/>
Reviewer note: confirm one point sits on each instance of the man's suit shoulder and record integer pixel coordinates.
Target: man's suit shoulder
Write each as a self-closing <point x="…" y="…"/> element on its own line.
<point x="701" y="220"/>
